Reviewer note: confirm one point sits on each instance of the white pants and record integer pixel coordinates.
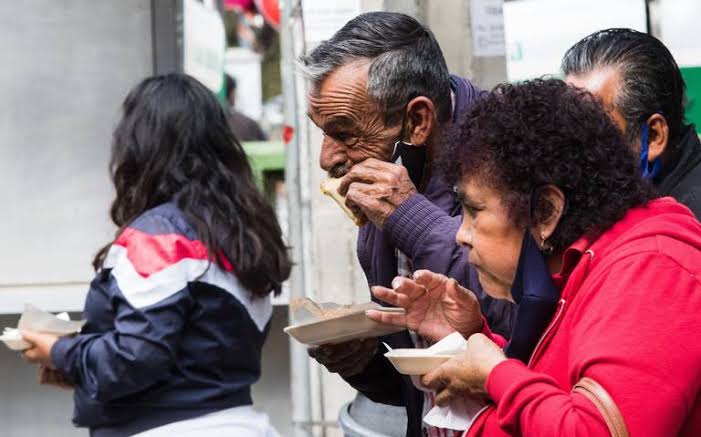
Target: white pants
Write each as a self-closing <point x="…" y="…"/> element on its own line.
<point x="238" y="421"/>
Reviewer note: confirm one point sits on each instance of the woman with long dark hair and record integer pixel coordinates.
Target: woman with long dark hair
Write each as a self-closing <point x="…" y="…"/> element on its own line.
<point x="180" y="306"/>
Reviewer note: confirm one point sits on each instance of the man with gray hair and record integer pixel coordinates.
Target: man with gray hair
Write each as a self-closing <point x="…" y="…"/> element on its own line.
<point x="641" y="86"/>
<point x="382" y="95"/>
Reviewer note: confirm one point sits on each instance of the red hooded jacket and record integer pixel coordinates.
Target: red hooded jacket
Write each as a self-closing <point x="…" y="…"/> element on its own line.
<point x="629" y="318"/>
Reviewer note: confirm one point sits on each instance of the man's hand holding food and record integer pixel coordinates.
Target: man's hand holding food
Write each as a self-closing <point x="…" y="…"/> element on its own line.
<point x="347" y="359"/>
<point x="374" y="189"/>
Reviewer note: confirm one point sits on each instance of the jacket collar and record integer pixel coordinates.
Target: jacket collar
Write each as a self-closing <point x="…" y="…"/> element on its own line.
<point x="685" y="155"/>
<point x="570" y="259"/>
<point x="585" y="253"/>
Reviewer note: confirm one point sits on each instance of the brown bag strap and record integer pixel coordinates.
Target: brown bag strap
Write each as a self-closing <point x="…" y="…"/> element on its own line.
<point x="593" y="391"/>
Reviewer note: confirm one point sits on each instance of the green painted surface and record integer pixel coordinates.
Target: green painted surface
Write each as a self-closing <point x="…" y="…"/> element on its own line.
<point x="692" y="77"/>
<point x="265" y="157"/>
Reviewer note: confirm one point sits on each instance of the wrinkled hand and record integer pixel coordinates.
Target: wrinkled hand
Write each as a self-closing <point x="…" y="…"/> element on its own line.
<point x="40" y="349"/>
<point x="466" y="373"/>
<point x="51" y="376"/>
<point x="374" y="189"/>
<point x="435" y="305"/>
<point x="347" y="359"/>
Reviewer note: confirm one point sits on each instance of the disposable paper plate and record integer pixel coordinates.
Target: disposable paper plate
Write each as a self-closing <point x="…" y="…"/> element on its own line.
<point x="350" y="326"/>
<point x="35" y="319"/>
<point x="415" y="361"/>
<point x="13" y="339"/>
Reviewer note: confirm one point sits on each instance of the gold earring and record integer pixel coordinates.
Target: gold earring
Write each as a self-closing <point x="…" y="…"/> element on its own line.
<point x="544" y="247"/>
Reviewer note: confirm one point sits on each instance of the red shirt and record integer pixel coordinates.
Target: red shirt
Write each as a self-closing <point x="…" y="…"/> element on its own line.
<point x="629" y="318"/>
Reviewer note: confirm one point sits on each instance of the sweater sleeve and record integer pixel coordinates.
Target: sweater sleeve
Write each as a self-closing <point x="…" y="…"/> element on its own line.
<point x="379" y="381"/>
<point x="426" y="234"/>
<point x="146" y="279"/>
<point x="631" y="336"/>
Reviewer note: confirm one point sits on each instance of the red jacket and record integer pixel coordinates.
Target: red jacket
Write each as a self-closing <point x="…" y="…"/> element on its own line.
<point x="630" y="318"/>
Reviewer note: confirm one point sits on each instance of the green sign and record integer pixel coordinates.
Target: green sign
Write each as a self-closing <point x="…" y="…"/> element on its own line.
<point x="692" y="77"/>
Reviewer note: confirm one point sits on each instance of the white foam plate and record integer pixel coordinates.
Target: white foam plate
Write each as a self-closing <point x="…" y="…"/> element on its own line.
<point x="13" y="340"/>
<point x="415" y="361"/>
<point x="348" y="327"/>
<point x="35" y="319"/>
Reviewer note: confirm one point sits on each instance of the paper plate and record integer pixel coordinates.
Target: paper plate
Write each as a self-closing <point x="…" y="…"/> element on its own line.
<point x="334" y="330"/>
<point x="13" y="340"/>
<point x="415" y="361"/>
<point x="35" y="319"/>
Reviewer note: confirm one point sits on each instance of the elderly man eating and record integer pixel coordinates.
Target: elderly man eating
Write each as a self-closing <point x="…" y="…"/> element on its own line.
<point x="382" y="94"/>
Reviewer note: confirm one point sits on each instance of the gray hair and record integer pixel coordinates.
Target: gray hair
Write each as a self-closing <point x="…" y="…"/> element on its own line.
<point x="651" y="80"/>
<point x="405" y="62"/>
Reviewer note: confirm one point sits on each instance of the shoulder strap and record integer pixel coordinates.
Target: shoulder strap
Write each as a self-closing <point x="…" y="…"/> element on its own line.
<point x="593" y="391"/>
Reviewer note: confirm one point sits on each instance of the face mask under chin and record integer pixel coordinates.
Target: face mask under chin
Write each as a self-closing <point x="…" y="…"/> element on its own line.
<point x="537" y="297"/>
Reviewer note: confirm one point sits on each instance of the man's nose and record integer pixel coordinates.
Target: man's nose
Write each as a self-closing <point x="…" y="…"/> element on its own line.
<point x="332" y="154"/>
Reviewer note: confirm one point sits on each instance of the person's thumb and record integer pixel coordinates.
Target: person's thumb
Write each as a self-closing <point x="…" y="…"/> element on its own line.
<point x="454" y="291"/>
<point x="459" y="294"/>
<point x="36" y="338"/>
<point x="31" y="336"/>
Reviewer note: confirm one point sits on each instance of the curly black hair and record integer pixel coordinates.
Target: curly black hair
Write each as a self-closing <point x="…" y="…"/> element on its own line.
<point x="521" y="137"/>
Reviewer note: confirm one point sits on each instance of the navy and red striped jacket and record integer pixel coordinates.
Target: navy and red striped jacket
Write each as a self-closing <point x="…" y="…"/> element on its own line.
<point x="169" y="335"/>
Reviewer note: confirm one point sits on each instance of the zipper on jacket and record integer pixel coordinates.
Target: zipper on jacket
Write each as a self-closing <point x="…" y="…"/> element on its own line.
<point x="561" y="307"/>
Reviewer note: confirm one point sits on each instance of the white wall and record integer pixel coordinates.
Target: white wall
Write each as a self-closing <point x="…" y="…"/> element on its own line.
<point x="66" y="69"/>
<point x="272" y="393"/>
<point x="26" y="408"/>
<point x="244" y="65"/>
<point x="539" y="32"/>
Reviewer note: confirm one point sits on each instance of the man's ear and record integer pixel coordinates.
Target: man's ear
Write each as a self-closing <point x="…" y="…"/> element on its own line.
<point x="549" y="209"/>
<point x="421" y="120"/>
<point x="658" y="136"/>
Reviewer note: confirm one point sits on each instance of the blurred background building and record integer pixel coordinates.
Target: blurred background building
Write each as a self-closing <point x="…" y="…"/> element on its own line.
<point x="68" y="65"/>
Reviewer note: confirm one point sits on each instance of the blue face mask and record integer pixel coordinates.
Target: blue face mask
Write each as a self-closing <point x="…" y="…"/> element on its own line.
<point x="537" y="297"/>
<point x="650" y="170"/>
<point x="534" y="292"/>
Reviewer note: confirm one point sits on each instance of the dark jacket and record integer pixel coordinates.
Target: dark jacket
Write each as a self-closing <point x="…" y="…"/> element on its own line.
<point x="681" y="175"/>
<point x="424" y="229"/>
<point x="169" y="335"/>
<point x="244" y="127"/>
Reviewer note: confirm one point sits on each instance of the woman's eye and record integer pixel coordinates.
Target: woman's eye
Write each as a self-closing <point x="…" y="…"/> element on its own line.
<point x="471" y="210"/>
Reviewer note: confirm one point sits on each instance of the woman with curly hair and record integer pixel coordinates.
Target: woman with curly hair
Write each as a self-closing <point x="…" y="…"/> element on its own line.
<point x="559" y="220"/>
<point x="180" y="306"/>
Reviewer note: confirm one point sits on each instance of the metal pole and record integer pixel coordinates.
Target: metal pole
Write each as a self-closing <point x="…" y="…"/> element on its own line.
<point x="299" y="361"/>
<point x="167" y="36"/>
